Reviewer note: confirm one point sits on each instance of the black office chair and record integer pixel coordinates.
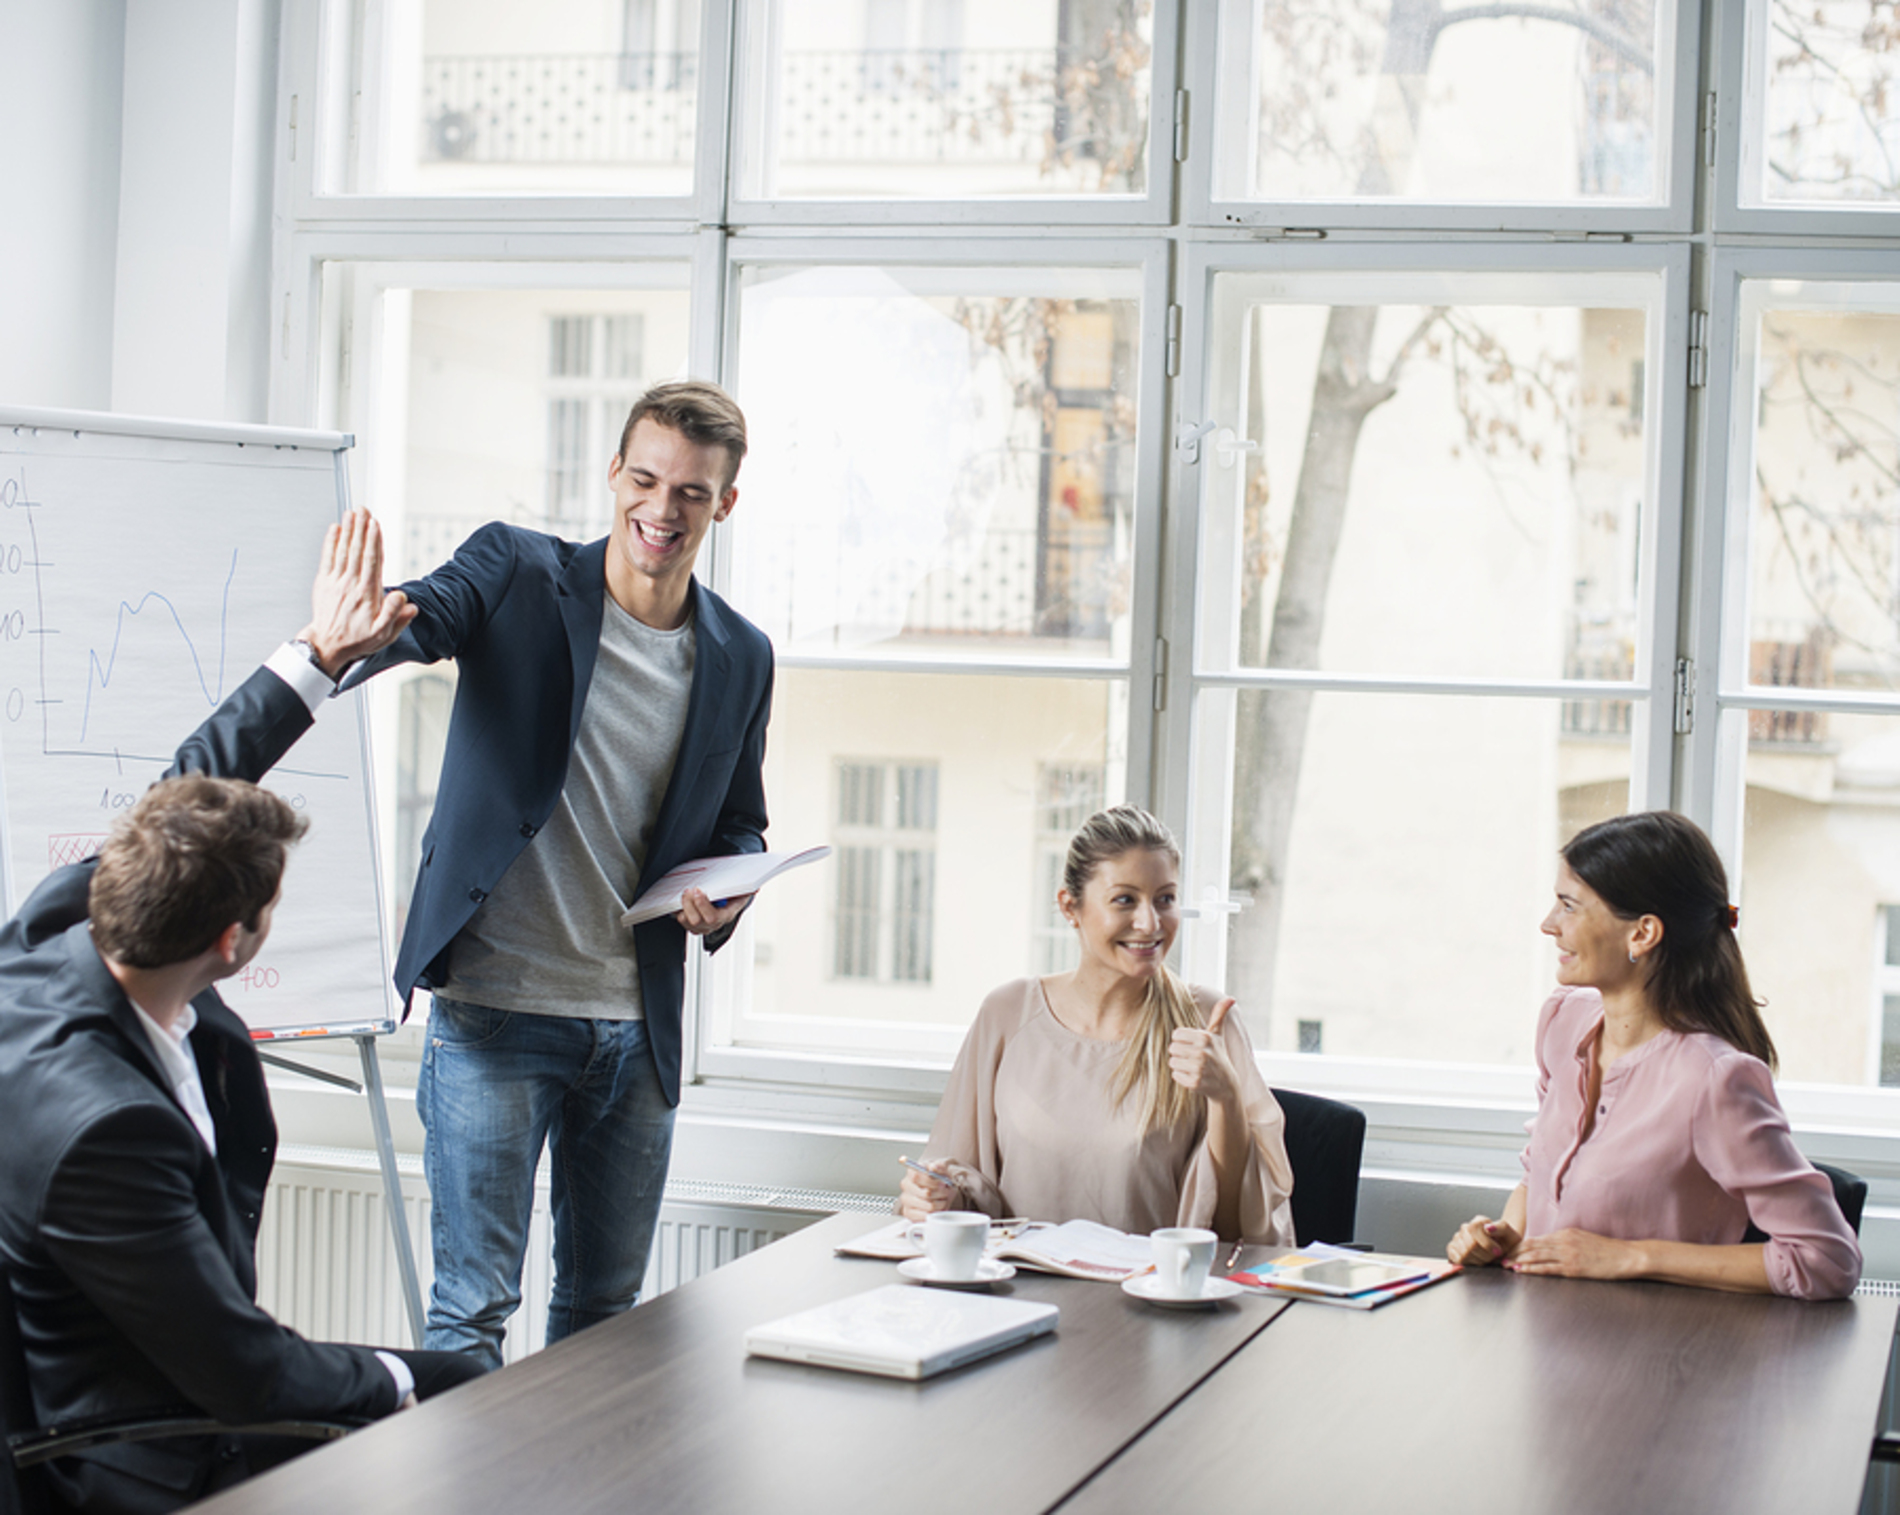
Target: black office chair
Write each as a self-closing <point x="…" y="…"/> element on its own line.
<point x="24" y="1487"/>
<point x="1850" y="1193"/>
<point x="1324" y="1142"/>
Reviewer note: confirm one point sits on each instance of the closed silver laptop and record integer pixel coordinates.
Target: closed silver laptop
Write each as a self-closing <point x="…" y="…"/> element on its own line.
<point x="902" y="1331"/>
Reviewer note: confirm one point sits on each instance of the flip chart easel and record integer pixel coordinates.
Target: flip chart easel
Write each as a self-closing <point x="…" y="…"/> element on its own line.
<point x="146" y="568"/>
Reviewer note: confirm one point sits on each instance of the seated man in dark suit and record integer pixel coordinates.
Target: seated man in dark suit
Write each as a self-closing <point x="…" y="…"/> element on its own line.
<point x="140" y="1136"/>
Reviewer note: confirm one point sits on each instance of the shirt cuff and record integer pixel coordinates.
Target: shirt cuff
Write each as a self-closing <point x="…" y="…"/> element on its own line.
<point x="310" y="683"/>
<point x="398" y="1370"/>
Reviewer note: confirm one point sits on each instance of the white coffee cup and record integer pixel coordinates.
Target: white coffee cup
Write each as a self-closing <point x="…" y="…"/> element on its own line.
<point x="954" y="1240"/>
<point x="1184" y="1256"/>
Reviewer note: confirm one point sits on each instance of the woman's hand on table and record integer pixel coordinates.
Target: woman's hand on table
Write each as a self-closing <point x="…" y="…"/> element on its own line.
<point x="1571" y="1253"/>
<point x="1198" y="1059"/>
<point x="918" y="1196"/>
<point x="1482" y="1241"/>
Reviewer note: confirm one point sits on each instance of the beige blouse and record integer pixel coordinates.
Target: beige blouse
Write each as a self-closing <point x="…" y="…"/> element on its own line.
<point x="1030" y="1127"/>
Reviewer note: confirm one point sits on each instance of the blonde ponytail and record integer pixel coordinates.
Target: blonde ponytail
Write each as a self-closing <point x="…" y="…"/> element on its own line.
<point x="1168" y="1005"/>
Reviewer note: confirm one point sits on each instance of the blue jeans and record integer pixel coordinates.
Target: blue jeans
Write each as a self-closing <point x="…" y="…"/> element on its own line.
<point x="494" y="1086"/>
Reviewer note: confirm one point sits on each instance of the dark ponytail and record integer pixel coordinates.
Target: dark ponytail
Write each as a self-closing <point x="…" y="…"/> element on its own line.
<point x="1659" y="863"/>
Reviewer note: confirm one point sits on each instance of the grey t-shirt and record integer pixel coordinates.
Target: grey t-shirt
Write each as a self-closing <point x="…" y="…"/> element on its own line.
<point x="548" y="940"/>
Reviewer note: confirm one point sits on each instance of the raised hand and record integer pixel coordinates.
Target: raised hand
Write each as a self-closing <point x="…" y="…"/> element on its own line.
<point x="1198" y="1060"/>
<point x="351" y="615"/>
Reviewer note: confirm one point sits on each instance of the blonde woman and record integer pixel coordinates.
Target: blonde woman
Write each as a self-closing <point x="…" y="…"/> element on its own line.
<point x="1113" y="1093"/>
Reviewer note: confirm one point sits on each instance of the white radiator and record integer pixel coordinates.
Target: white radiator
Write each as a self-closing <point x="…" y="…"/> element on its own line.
<point x="326" y="1265"/>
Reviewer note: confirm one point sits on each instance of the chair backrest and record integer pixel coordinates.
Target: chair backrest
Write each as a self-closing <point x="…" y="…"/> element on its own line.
<point x="22" y="1492"/>
<point x="1850" y="1193"/>
<point x="1324" y="1141"/>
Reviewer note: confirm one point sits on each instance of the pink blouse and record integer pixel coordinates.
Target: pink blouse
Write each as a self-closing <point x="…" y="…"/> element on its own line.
<point x="1690" y="1144"/>
<point x="1031" y="1127"/>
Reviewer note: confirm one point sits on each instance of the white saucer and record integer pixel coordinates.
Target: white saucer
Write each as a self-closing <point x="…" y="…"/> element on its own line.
<point x="1146" y="1286"/>
<point x="989" y="1272"/>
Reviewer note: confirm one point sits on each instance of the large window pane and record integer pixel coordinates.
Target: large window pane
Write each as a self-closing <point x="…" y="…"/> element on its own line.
<point x="559" y="97"/>
<point x="943" y="798"/>
<point x="1822" y="110"/>
<point x="1822" y="497"/>
<point x="947" y="99"/>
<point x="1398" y="918"/>
<point x="1820" y="854"/>
<point x="1445" y="486"/>
<point x="478" y="405"/>
<point x="1408" y="100"/>
<point x="944" y="459"/>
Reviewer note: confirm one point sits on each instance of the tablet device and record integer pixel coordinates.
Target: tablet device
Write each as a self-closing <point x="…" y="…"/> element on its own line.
<point x="1347" y="1276"/>
<point x="901" y="1331"/>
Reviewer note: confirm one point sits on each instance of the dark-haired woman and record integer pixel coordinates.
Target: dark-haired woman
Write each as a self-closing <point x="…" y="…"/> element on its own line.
<point x="1113" y="1093"/>
<point x="1658" y="1136"/>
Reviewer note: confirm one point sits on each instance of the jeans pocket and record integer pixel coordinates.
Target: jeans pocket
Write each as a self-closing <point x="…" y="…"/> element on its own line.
<point x="455" y="1024"/>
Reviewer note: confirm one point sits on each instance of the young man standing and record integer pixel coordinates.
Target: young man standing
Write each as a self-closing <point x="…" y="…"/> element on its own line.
<point x="609" y="724"/>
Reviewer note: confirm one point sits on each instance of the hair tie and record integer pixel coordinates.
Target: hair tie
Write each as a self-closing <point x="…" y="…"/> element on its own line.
<point x="1730" y="916"/>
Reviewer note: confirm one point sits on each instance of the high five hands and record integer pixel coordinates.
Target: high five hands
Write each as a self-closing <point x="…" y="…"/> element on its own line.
<point x="1198" y="1059"/>
<point x="351" y="614"/>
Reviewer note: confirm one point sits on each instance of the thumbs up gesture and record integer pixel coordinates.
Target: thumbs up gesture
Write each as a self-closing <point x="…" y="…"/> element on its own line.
<point x="1198" y="1058"/>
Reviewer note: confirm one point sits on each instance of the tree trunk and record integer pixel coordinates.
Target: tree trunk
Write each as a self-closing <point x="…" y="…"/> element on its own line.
<point x="1270" y="734"/>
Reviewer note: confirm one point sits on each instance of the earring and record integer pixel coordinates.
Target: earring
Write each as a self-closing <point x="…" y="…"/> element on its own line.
<point x="1632" y="957"/>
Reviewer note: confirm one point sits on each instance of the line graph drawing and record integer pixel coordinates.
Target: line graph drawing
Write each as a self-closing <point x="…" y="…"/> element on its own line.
<point x="213" y="694"/>
<point x="99" y="670"/>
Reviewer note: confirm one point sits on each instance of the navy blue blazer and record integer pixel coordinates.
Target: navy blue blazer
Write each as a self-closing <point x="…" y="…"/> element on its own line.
<point x="520" y="613"/>
<point x="129" y="1247"/>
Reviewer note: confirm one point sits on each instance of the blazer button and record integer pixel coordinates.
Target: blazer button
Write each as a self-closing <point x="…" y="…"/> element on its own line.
<point x="527" y="828"/>
<point x="478" y="895"/>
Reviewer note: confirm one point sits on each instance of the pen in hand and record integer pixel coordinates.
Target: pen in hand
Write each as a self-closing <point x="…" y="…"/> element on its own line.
<point x="928" y="1172"/>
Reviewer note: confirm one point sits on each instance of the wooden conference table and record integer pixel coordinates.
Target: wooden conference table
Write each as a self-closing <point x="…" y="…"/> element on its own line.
<point x="1482" y="1391"/>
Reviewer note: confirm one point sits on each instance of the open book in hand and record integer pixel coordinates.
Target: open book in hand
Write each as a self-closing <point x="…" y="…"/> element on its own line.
<point x="1074" y="1249"/>
<point x="722" y="878"/>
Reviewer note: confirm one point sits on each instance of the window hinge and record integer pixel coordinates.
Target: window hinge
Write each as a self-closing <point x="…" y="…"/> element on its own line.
<point x="293" y="128"/>
<point x="1173" y="352"/>
<point x="1698" y="348"/>
<point x="1288" y="233"/>
<point x="1161" y="673"/>
<point x="1708" y="129"/>
<point x="1685" y="697"/>
<point x="1180" y="125"/>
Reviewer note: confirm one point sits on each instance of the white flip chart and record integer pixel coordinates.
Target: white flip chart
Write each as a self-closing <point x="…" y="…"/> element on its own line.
<point x="146" y="569"/>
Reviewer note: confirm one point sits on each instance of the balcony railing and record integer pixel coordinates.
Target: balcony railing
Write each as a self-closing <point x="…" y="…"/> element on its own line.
<point x="950" y="105"/>
<point x="585" y="108"/>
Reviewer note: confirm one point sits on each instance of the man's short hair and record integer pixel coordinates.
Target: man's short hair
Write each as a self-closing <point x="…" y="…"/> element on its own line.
<point x="194" y="856"/>
<point x="701" y="412"/>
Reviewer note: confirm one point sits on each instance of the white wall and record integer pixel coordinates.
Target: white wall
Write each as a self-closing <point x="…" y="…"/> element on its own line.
<point x="136" y="189"/>
<point x="59" y="199"/>
<point x="191" y="317"/>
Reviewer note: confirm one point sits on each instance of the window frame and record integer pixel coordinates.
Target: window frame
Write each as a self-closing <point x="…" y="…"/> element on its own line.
<point x="1304" y="218"/>
<point x="1065" y="212"/>
<point x="1725" y="113"/>
<point x="1652" y="765"/>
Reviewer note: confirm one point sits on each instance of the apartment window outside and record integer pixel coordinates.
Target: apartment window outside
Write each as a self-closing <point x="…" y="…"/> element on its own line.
<point x="884" y="846"/>
<point x="1067" y="794"/>
<point x="595" y="373"/>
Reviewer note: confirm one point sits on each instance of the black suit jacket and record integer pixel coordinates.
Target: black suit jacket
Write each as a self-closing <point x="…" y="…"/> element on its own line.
<point x="129" y="1248"/>
<point x="520" y="613"/>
